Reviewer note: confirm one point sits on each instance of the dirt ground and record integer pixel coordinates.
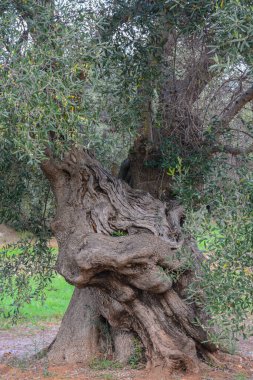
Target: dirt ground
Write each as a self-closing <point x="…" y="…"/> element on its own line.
<point x="7" y="235"/>
<point x="80" y="373"/>
<point x="19" y="344"/>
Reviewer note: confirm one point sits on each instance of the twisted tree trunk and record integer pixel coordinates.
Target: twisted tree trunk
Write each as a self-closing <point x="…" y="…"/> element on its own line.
<point x="134" y="283"/>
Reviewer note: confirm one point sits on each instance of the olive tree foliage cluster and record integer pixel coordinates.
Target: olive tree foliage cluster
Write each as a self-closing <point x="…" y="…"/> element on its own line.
<point x="224" y="232"/>
<point x="100" y="73"/>
<point x="48" y="100"/>
<point x="191" y="64"/>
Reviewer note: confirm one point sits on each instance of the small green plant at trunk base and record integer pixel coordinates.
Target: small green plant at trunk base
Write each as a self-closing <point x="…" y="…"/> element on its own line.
<point x="240" y="376"/>
<point x="101" y="364"/>
<point x="136" y="357"/>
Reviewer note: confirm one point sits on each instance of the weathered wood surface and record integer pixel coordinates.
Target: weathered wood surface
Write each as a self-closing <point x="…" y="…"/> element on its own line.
<point x="136" y="282"/>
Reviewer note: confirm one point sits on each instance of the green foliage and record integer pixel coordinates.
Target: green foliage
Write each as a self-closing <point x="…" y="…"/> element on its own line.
<point x="26" y="202"/>
<point x="41" y="87"/>
<point x="226" y="236"/>
<point x="47" y="84"/>
<point x="240" y="376"/>
<point x="137" y="355"/>
<point x="26" y="269"/>
<point x="233" y="28"/>
<point x="48" y="99"/>
<point x="119" y="233"/>
<point x="187" y="169"/>
<point x="103" y="364"/>
<point x="57" y="296"/>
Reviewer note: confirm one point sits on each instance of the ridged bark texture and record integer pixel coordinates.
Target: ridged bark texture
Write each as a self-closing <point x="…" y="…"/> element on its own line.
<point x="124" y="251"/>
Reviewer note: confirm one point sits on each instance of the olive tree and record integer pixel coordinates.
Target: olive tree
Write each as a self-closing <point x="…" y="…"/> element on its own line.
<point x="138" y="68"/>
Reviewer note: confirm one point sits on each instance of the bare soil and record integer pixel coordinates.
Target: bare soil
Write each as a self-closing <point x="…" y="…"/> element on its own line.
<point x="7" y="235"/>
<point x="19" y="344"/>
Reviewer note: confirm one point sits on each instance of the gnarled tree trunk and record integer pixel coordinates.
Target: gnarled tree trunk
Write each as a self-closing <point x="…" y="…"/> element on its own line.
<point x="135" y="282"/>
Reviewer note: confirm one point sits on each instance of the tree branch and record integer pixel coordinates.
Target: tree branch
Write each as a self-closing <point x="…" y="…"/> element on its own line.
<point x="243" y="132"/>
<point x="222" y="124"/>
<point x="198" y="75"/>
<point x="234" y="108"/>
<point x="235" y="151"/>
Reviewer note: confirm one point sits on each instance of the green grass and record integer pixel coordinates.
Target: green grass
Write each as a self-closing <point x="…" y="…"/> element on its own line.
<point x="104" y="364"/>
<point x="58" y="295"/>
<point x="240" y="376"/>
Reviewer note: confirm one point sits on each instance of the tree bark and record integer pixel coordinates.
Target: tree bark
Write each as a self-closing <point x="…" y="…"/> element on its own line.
<point x="78" y="337"/>
<point x="135" y="282"/>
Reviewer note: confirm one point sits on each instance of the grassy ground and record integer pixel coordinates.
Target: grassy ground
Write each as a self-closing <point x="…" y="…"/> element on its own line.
<point x="58" y="296"/>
